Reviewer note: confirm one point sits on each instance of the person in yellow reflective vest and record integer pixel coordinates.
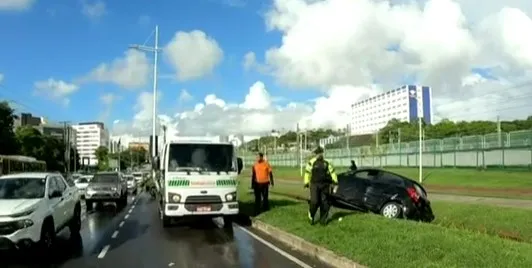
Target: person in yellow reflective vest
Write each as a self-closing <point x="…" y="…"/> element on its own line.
<point x="319" y="177"/>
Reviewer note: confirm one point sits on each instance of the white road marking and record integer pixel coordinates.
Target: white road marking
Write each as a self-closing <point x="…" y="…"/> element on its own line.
<point x="127" y="216"/>
<point x="103" y="252"/>
<point x="115" y="234"/>
<point x="133" y="206"/>
<point x="131" y="210"/>
<point x="121" y="224"/>
<point x="276" y="249"/>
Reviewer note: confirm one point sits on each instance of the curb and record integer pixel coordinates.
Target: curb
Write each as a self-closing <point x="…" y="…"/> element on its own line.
<point x="299" y="244"/>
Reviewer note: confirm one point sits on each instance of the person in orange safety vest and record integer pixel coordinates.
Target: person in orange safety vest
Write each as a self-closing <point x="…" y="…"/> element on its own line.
<point x="261" y="179"/>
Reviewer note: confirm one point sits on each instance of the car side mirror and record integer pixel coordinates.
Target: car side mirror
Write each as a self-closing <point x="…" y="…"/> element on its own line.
<point x="155" y="163"/>
<point x="56" y="194"/>
<point x="239" y="165"/>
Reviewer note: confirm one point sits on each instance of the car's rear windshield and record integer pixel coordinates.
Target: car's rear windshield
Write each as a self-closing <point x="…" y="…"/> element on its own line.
<point x="105" y="178"/>
<point x="130" y="178"/>
<point x="83" y="180"/>
<point x="137" y="174"/>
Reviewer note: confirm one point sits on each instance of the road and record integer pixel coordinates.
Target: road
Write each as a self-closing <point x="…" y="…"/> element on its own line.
<point x="134" y="237"/>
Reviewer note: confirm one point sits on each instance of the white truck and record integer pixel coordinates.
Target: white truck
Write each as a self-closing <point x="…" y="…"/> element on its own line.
<point x="36" y="206"/>
<point x="198" y="178"/>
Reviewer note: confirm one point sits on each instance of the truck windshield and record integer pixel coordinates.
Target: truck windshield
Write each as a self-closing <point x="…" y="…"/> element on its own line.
<point x="201" y="157"/>
<point x="22" y="188"/>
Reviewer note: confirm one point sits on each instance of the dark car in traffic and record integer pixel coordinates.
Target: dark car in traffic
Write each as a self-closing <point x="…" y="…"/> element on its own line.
<point x="382" y="192"/>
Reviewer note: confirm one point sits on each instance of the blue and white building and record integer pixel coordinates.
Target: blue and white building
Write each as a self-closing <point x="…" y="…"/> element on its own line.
<point x="407" y="103"/>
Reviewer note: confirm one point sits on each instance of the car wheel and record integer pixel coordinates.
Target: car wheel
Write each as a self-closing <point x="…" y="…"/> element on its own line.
<point x="75" y="222"/>
<point x="47" y="238"/>
<point x="391" y="210"/>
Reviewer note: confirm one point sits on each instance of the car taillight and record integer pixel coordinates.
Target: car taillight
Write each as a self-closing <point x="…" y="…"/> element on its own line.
<point x="412" y="193"/>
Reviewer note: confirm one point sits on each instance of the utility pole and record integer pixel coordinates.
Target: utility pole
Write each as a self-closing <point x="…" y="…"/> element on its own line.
<point x="347" y="136"/>
<point x="66" y="141"/>
<point x="499" y="131"/>
<point x="155" y="51"/>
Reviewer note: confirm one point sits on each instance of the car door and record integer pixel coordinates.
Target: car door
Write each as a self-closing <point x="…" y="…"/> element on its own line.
<point x="54" y="202"/>
<point x="69" y="193"/>
<point x="352" y="186"/>
<point x="382" y="187"/>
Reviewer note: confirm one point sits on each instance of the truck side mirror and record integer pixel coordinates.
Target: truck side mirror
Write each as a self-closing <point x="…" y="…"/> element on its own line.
<point x="239" y="164"/>
<point x="155" y="163"/>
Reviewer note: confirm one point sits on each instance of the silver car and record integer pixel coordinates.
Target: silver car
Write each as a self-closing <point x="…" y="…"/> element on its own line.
<point x="132" y="185"/>
<point x="107" y="187"/>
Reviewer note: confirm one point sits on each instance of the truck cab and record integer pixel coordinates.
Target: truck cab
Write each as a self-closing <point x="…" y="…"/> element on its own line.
<point x="198" y="179"/>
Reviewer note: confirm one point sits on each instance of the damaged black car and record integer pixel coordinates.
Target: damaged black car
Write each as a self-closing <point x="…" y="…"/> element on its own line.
<point x="382" y="192"/>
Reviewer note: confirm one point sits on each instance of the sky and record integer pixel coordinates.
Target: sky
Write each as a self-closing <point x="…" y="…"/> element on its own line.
<point x="250" y="67"/>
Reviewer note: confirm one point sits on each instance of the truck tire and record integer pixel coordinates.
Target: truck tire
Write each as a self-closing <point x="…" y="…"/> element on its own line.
<point x="89" y="204"/>
<point x="75" y="223"/>
<point x="166" y="221"/>
<point x="228" y="222"/>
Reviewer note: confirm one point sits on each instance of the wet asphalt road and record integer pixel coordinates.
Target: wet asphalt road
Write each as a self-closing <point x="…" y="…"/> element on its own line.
<point x="134" y="237"/>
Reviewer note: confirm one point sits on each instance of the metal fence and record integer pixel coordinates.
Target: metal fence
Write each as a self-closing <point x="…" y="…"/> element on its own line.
<point x="512" y="149"/>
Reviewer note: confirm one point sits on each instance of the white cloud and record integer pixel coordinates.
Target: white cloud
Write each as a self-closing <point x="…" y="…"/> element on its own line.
<point x="56" y="89"/>
<point x="250" y="60"/>
<point x="94" y="10"/>
<point x="108" y="100"/>
<point x="185" y="96"/>
<point x="16" y="5"/>
<point x="130" y="72"/>
<point x="348" y="50"/>
<point x="193" y="55"/>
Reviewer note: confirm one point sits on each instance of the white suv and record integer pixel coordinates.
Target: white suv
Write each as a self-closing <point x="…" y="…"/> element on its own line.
<point x="34" y="207"/>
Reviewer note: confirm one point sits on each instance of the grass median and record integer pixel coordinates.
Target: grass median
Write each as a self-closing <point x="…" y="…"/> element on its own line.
<point x="462" y="235"/>
<point x="508" y="184"/>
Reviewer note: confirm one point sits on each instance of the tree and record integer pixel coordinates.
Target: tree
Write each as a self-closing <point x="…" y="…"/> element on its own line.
<point x="30" y="140"/>
<point x="8" y="144"/>
<point x="132" y="157"/>
<point x="102" y="154"/>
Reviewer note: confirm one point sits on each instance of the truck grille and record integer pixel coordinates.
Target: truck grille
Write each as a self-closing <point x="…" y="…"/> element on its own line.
<point x="7" y="228"/>
<point x="203" y="199"/>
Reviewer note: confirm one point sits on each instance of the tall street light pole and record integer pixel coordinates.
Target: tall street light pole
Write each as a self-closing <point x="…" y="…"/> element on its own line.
<point x="155" y="51"/>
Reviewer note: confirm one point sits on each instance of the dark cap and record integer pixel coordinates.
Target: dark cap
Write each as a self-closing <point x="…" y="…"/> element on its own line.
<point x="261" y="154"/>
<point x="318" y="150"/>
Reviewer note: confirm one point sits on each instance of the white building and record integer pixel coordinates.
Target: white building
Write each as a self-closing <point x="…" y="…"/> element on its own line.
<point x="89" y="136"/>
<point x="406" y="103"/>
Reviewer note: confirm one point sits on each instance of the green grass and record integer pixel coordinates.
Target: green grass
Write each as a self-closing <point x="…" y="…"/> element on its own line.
<point x="512" y="223"/>
<point x="461" y="236"/>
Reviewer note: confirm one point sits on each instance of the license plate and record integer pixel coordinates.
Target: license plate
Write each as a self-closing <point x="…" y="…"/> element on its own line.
<point x="203" y="208"/>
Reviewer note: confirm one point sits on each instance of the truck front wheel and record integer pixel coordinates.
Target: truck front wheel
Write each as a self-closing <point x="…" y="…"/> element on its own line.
<point x="228" y="222"/>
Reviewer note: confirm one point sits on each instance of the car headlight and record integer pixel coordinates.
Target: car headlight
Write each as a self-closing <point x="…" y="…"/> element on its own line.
<point x="230" y="197"/>
<point x="174" y="198"/>
<point x="114" y="189"/>
<point x="23" y="224"/>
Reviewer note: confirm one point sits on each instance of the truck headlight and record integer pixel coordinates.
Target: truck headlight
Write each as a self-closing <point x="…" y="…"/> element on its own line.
<point x="230" y="197"/>
<point x="174" y="198"/>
